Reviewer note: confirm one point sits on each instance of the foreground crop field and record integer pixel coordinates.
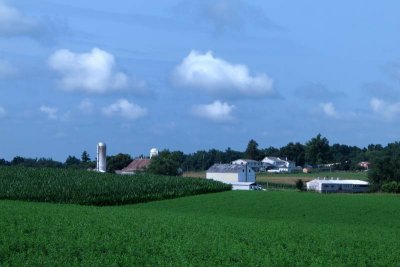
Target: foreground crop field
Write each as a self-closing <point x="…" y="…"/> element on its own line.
<point x="91" y="188"/>
<point x="225" y="229"/>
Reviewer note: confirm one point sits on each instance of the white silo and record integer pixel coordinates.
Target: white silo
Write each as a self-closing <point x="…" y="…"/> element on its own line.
<point x="101" y="157"/>
<point x="153" y="152"/>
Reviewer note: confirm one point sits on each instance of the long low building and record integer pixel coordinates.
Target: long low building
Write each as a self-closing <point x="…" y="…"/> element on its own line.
<point x="337" y="186"/>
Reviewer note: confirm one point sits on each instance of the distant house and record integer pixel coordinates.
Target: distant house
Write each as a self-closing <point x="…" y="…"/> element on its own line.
<point x="254" y="164"/>
<point x="364" y="164"/>
<point x="280" y="165"/>
<point x="337" y="186"/>
<point x="136" y="165"/>
<point x="241" y="177"/>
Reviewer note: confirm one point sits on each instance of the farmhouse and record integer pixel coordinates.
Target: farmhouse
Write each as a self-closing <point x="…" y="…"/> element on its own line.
<point x="279" y="164"/>
<point x="336" y="186"/>
<point x="254" y="164"/>
<point x="241" y="177"/>
<point x="135" y="166"/>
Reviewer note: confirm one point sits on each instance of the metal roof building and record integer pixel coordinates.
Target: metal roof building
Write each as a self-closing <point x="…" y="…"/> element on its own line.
<point x="241" y="177"/>
<point x="337" y="186"/>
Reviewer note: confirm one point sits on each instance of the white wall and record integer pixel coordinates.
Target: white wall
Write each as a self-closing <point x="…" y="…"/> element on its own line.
<point x="223" y="177"/>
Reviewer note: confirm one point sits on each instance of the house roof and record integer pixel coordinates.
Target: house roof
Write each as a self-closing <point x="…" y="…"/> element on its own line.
<point x="247" y="160"/>
<point x="226" y="168"/>
<point x="137" y="165"/>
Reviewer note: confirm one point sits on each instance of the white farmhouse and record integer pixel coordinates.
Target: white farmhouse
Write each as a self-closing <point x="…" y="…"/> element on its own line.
<point x="336" y="186"/>
<point x="254" y="164"/>
<point x="241" y="177"/>
<point x="280" y="165"/>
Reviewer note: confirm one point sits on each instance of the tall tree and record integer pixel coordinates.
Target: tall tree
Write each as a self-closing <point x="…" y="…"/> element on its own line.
<point x="165" y="163"/>
<point x="252" y="151"/>
<point x="85" y="157"/>
<point x="317" y="150"/>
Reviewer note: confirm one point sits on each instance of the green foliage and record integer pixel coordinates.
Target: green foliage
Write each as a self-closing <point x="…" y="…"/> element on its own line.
<point x="295" y="152"/>
<point x="118" y="162"/>
<point x="300" y="185"/>
<point x="386" y="166"/>
<point x="72" y="162"/>
<point x="317" y="150"/>
<point x="85" y="158"/>
<point x="166" y="163"/>
<point x="91" y="188"/>
<point x="391" y="187"/>
<point x="252" y="151"/>
<point x="226" y="229"/>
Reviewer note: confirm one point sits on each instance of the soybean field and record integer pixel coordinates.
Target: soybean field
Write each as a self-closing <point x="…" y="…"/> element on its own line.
<point x="253" y="228"/>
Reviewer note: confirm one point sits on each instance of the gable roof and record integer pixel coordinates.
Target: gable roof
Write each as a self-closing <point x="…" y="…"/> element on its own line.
<point x="247" y="160"/>
<point x="137" y="165"/>
<point x="226" y="168"/>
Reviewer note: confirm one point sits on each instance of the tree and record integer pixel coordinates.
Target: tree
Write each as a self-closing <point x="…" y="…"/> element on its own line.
<point x="295" y="152"/>
<point x="72" y="161"/>
<point x="252" y="151"/>
<point x="85" y="157"/>
<point x="164" y="164"/>
<point x="118" y="162"/>
<point x="317" y="150"/>
<point x="300" y="185"/>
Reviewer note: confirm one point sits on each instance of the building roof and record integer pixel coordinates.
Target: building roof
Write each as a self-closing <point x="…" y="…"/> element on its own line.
<point x="137" y="165"/>
<point x="226" y="168"/>
<point x="247" y="160"/>
<point x="331" y="181"/>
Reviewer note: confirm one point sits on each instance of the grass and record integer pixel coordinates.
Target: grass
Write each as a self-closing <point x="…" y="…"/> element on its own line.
<point x="91" y="188"/>
<point x="224" y="229"/>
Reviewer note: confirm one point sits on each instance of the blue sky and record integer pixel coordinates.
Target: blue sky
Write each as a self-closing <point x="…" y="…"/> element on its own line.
<point x="189" y="75"/>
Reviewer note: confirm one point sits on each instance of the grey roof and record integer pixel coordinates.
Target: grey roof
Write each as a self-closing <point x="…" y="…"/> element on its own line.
<point x="226" y="168"/>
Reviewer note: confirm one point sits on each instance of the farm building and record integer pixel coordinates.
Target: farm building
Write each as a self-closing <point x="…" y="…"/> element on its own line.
<point x="135" y="166"/>
<point x="336" y="186"/>
<point x="280" y="165"/>
<point x="241" y="177"/>
<point x="254" y="164"/>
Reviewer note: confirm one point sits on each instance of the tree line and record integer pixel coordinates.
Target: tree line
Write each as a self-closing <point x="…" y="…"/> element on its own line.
<point x="384" y="174"/>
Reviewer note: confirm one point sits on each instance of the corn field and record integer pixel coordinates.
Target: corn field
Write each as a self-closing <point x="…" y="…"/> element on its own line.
<point x="91" y="188"/>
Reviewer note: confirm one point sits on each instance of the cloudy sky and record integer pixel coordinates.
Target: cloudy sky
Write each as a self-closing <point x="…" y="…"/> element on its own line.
<point x="195" y="74"/>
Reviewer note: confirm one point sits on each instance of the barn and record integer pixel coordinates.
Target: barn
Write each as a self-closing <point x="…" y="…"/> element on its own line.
<point x="135" y="166"/>
<point x="337" y="186"/>
<point x="241" y="177"/>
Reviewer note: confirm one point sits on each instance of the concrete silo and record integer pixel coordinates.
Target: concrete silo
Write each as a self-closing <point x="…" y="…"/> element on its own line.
<point x="101" y="158"/>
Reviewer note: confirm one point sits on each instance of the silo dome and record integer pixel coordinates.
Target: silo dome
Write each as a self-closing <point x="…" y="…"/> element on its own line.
<point x="153" y="152"/>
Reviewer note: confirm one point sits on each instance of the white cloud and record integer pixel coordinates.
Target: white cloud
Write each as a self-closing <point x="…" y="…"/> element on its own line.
<point x="219" y="77"/>
<point x="6" y="69"/>
<point x="2" y="112"/>
<point x="50" y="112"/>
<point x="13" y="22"/>
<point x="93" y="72"/>
<point x="216" y="111"/>
<point x="125" y="109"/>
<point x="86" y="106"/>
<point x="387" y="110"/>
<point x="329" y="110"/>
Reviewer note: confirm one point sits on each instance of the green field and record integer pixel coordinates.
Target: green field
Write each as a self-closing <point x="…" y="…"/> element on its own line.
<point x="91" y="188"/>
<point x="252" y="228"/>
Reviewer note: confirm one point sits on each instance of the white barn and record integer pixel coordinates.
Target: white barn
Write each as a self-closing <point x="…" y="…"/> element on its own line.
<point x="241" y="177"/>
<point x="336" y="186"/>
